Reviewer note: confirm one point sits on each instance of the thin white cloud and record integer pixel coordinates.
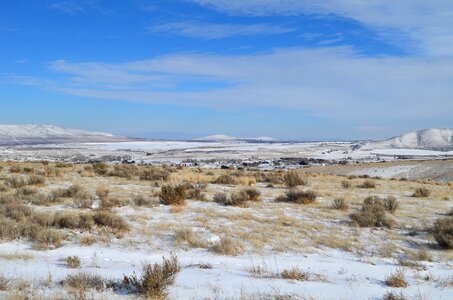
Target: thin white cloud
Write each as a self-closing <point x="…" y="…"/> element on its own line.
<point x="69" y="7"/>
<point x="208" y="31"/>
<point x="419" y="25"/>
<point x="334" y="82"/>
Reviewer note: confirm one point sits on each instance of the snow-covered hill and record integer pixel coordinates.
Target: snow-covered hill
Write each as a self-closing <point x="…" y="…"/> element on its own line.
<point x="49" y="134"/>
<point x="428" y="139"/>
<point x="225" y="138"/>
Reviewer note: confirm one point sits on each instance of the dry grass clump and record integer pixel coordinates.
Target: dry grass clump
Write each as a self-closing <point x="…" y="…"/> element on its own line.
<point x="393" y="296"/>
<point x="141" y="200"/>
<point x="188" y="236"/>
<point x="391" y="204"/>
<point x="443" y="232"/>
<point x="123" y="171"/>
<point x="346" y="184"/>
<point x="155" y="278"/>
<point x="102" y="192"/>
<point x="173" y="194"/>
<point x="195" y="191"/>
<point x="372" y="214"/>
<point x="100" y="168"/>
<point x="340" y="204"/>
<point x="4" y="283"/>
<point x="225" y="179"/>
<point x="272" y="177"/>
<point x="421" y="192"/>
<point x="73" y="262"/>
<point x="154" y="174"/>
<point x="226" y="246"/>
<point x="298" y="196"/>
<point x="84" y="281"/>
<point x="295" y="273"/>
<point x="109" y="219"/>
<point x="238" y="198"/>
<point x="293" y="179"/>
<point x="397" y="279"/>
<point x="367" y="184"/>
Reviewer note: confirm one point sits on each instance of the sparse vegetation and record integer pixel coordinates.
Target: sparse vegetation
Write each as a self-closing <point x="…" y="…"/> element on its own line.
<point x="73" y="262"/>
<point x="340" y="204"/>
<point x="173" y="194"/>
<point x="421" y="192"/>
<point x="295" y="273"/>
<point x="367" y="184"/>
<point x="443" y="232"/>
<point x="397" y="279"/>
<point x="372" y="214"/>
<point x="155" y="278"/>
<point x="298" y="196"/>
<point x="293" y="179"/>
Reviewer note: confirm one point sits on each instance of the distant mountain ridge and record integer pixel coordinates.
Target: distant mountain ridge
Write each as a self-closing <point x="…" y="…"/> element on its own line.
<point x="224" y="138"/>
<point x="440" y="139"/>
<point x="49" y="134"/>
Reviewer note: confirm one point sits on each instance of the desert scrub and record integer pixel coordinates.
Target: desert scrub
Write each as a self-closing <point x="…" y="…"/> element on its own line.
<point x="155" y="278"/>
<point x="293" y="179"/>
<point x="84" y="281"/>
<point x="443" y="232"/>
<point x="393" y="296"/>
<point x="298" y="196"/>
<point x="102" y="192"/>
<point x="340" y="204"/>
<point x="391" y="204"/>
<point x="397" y="279"/>
<point x="195" y="191"/>
<point x="73" y="262"/>
<point x="173" y="194"/>
<point x="346" y="184"/>
<point x="372" y="214"/>
<point x="367" y="184"/>
<point x="225" y="179"/>
<point x="226" y="246"/>
<point x="188" y="236"/>
<point x="154" y="174"/>
<point x="421" y="192"/>
<point x="4" y="283"/>
<point x="295" y="273"/>
<point x="109" y="219"/>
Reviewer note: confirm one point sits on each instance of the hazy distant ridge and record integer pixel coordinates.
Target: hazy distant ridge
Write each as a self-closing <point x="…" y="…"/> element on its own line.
<point x="49" y="134"/>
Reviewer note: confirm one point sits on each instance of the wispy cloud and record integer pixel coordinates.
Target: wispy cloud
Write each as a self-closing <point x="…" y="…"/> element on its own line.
<point x="422" y="26"/>
<point x="69" y="7"/>
<point x="208" y="31"/>
<point x="334" y="82"/>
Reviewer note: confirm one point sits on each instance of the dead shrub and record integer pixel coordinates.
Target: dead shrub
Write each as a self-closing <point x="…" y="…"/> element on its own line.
<point x="225" y="179"/>
<point x="102" y="192"/>
<point x="298" y="196"/>
<point x="340" y="204"/>
<point x="391" y="204"/>
<point x="346" y="184"/>
<point x="367" y="184"/>
<point x="421" y="192"/>
<point x="252" y="194"/>
<point x="195" y="191"/>
<point x="36" y="180"/>
<point x="173" y="195"/>
<point x="84" y="281"/>
<point x="295" y="273"/>
<point x="443" y="232"/>
<point x="73" y="262"/>
<point x="293" y="179"/>
<point x="49" y="237"/>
<point x="155" y="278"/>
<point x="140" y="200"/>
<point x="397" y="279"/>
<point x="155" y="174"/>
<point x="372" y="214"/>
<point x="4" y="283"/>
<point x="109" y="219"/>
<point x="187" y="235"/>
<point x="226" y="246"/>
<point x="100" y="168"/>
<point x="393" y="296"/>
<point x="221" y="198"/>
<point x="66" y="220"/>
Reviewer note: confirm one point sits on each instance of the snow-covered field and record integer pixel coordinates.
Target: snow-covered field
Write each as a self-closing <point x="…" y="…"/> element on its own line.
<point x="339" y="259"/>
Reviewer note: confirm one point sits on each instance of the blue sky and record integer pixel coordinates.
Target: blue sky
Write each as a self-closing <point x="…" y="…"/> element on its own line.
<point x="290" y="69"/>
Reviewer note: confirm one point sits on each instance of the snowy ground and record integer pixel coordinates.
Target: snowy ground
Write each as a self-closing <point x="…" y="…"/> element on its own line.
<point x="343" y="261"/>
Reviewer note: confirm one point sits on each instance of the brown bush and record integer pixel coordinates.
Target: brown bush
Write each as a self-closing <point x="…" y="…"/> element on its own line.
<point x="421" y="192"/>
<point x="155" y="278"/>
<point x="252" y="194"/>
<point x="154" y="174"/>
<point x="173" y="195"/>
<point x="346" y="184"/>
<point x="84" y="281"/>
<point x="298" y="196"/>
<point x="340" y="204"/>
<point x="443" y="232"/>
<point x="225" y="179"/>
<point x="73" y="262"/>
<point x="221" y="198"/>
<point x="391" y="204"/>
<point x="295" y="273"/>
<point x="36" y="180"/>
<point x="372" y="214"/>
<point x="102" y="192"/>
<point x="393" y="296"/>
<point x="397" y="279"/>
<point x="367" y="184"/>
<point x="109" y="219"/>
<point x="293" y="179"/>
<point x="226" y="246"/>
<point x="100" y="168"/>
